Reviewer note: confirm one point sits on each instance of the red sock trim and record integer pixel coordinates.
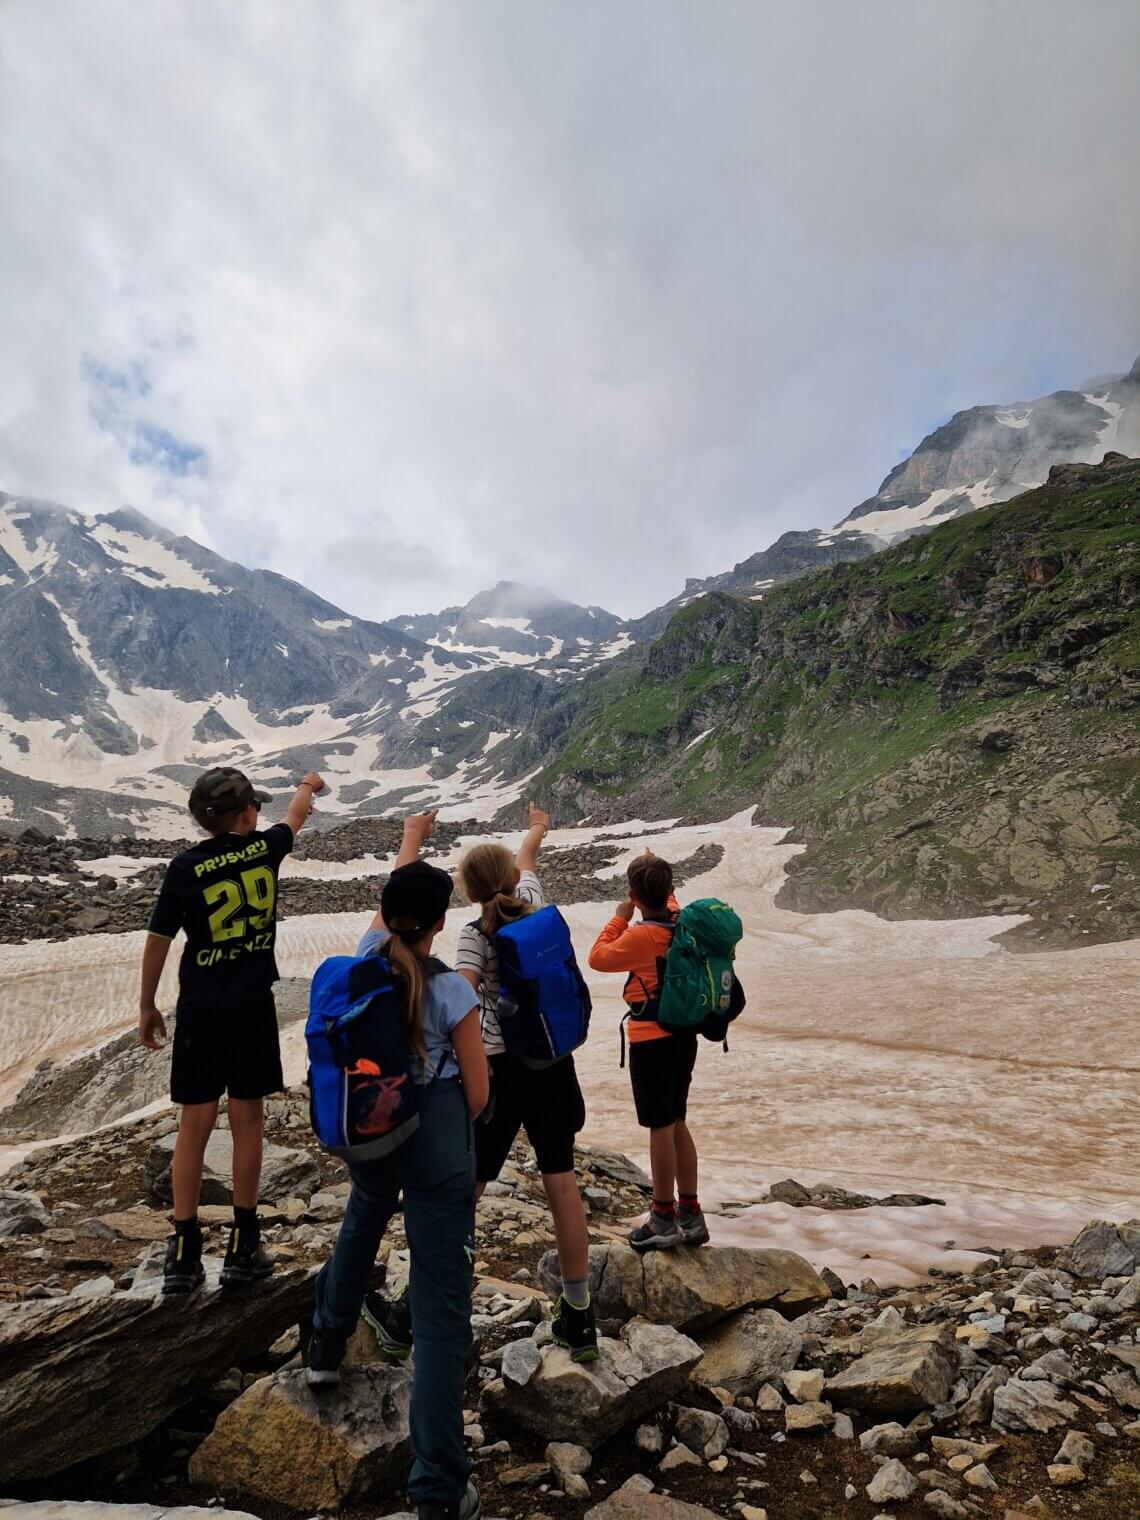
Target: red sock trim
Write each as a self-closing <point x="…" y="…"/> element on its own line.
<point x="690" y="1202"/>
<point x="666" y="1210"/>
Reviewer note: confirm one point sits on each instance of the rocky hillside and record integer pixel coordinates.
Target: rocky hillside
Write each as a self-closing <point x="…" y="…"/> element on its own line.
<point x="990" y="453"/>
<point x="950" y="724"/>
<point x="731" y="1382"/>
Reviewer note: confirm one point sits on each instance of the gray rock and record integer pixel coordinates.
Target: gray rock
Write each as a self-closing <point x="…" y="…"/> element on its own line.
<point x="908" y="1370"/>
<point x="120" y="1365"/>
<point x="1054" y="1367"/>
<point x="284" y="1172"/>
<point x="678" y="1456"/>
<point x="614" y="1165"/>
<point x="945" y="1507"/>
<point x="324" y="1208"/>
<point x="650" y="1440"/>
<point x="748" y="1349"/>
<point x="1079" y="1323"/>
<point x="843" y="1427"/>
<point x="284" y="1443"/>
<point x="568" y="1460"/>
<point x="693" y="1290"/>
<point x="543" y="1391"/>
<point x="1100" y="1250"/>
<point x="892" y="1484"/>
<point x="701" y="1430"/>
<point x="1076" y="1447"/>
<point x="631" y="1503"/>
<point x="1019" y="1405"/>
<point x="891" y="1440"/>
<point x="1124" y="1389"/>
<point x="91" y="1509"/>
<point x="979" y="1407"/>
<point x="94" y="1287"/>
<point x="22" y="1213"/>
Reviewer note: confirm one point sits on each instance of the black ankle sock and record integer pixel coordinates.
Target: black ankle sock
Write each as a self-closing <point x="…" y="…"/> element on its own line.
<point x="188" y="1226"/>
<point x="246" y="1228"/>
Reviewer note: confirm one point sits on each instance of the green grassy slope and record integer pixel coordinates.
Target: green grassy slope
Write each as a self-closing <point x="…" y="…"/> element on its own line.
<point x="948" y="725"/>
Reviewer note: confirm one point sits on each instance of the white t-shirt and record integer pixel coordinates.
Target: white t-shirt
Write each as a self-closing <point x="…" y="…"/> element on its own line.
<point x="476" y="953"/>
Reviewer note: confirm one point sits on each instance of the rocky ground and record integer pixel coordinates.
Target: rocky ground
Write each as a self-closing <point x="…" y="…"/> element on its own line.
<point x="736" y="1381"/>
<point x="46" y="891"/>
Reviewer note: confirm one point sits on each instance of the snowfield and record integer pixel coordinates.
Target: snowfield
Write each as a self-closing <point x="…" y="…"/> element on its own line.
<point x="879" y="1055"/>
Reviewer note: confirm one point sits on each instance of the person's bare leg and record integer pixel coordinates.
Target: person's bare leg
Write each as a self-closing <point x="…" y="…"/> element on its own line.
<point x="571" y="1233"/>
<point x="663" y="1163"/>
<point x="685" y="1151"/>
<point x="194" y="1128"/>
<point x="247" y="1125"/>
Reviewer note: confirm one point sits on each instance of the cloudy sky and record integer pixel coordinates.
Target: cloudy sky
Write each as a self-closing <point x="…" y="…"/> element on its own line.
<point x="401" y="299"/>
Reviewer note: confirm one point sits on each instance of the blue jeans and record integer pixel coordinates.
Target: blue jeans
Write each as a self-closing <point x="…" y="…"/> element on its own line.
<point x="436" y="1170"/>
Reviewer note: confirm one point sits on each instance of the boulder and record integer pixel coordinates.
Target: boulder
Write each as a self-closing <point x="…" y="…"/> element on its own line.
<point x="22" y="1213"/>
<point x="905" y="1371"/>
<point x="284" y="1172"/>
<point x="121" y="1364"/>
<point x="1020" y="1405"/>
<point x="813" y="1415"/>
<point x="747" y="1350"/>
<point x="543" y="1391"/>
<point x="628" y="1503"/>
<point x="1103" y="1250"/>
<point x="701" y="1430"/>
<point x="284" y="1443"/>
<point x="891" y="1484"/>
<point x="692" y="1290"/>
<point x="614" y="1165"/>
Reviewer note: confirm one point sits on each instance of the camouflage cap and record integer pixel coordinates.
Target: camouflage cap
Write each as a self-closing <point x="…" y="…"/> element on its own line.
<point x="223" y="790"/>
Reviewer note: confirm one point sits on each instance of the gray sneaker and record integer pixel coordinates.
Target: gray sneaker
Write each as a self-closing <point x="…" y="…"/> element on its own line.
<point x="658" y="1233"/>
<point x="694" y="1230"/>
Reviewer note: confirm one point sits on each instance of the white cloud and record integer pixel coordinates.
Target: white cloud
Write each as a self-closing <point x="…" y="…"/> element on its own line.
<point x="594" y="296"/>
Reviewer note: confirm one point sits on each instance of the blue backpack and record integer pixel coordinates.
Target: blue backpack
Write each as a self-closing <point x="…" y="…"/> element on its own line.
<point x="544" y="1003"/>
<point x="364" y="1100"/>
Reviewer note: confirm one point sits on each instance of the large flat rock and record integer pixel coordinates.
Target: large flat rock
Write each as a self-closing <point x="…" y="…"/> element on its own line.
<point x="543" y="1391"/>
<point x="92" y="1509"/>
<point x="632" y="1504"/>
<point x="692" y="1289"/>
<point x="904" y="1371"/>
<point x="81" y="1375"/>
<point x="282" y="1442"/>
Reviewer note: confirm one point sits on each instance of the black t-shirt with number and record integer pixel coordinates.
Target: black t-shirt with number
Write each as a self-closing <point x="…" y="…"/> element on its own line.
<point x="223" y="893"/>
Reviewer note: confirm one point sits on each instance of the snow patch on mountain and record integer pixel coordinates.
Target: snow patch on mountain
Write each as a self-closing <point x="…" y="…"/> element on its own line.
<point x="149" y="562"/>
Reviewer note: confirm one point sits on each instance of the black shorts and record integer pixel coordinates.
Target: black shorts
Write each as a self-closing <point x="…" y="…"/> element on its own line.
<point x="660" y="1071"/>
<point x="226" y="1049"/>
<point x="547" y="1103"/>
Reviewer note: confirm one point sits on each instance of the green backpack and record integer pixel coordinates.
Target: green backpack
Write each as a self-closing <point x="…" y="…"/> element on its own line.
<point x="700" y="990"/>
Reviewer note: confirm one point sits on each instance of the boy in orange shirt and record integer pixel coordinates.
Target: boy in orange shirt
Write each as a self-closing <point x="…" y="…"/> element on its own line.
<point x="660" y="1061"/>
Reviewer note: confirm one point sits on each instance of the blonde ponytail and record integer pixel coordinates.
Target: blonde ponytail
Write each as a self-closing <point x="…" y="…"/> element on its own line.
<point x="405" y="960"/>
<point x="489" y="878"/>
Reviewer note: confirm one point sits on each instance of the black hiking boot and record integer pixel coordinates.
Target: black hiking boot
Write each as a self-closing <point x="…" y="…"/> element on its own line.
<point x="247" y="1261"/>
<point x="323" y="1357"/>
<point x="182" y="1271"/>
<point x="470" y="1507"/>
<point x="390" y="1321"/>
<point x="576" y="1329"/>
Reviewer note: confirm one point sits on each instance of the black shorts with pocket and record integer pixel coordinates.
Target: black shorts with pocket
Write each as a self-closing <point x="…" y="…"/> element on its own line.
<point x="660" y="1071"/>
<point x="547" y="1102"/>
<point x="225" y="1048"/>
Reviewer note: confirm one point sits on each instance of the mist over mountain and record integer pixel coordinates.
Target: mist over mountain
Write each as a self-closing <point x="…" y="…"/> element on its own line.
<point x="131" y="657"/>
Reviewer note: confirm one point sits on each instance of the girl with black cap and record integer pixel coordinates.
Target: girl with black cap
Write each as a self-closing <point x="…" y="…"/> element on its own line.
<point x="435" y="1170"/>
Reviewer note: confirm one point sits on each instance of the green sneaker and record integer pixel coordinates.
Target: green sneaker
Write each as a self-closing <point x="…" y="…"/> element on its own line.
<point x="576" y="1330"/>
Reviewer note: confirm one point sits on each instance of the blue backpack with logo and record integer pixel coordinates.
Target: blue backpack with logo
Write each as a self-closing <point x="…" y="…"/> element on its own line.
<point x="544" y="1003"/>
<point x="364" y="1100"/>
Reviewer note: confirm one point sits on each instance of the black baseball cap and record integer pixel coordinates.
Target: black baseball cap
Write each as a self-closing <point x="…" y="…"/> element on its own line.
<point x="415" y="898"/>
<point x="223" y="790"/>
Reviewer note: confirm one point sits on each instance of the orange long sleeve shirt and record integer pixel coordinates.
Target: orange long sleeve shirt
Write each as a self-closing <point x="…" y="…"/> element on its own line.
<point x="635" y="949"/>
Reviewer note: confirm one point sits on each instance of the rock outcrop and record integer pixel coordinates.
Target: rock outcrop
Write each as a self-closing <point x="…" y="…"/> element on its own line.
<point x="543" y="1391"/>
<point x="284" y="1443"/>
<point x="694" y="1289"/>
<point x="82" y="1375"/>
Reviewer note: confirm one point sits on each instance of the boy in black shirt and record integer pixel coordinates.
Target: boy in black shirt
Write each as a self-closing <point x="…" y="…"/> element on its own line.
<point x="223" y="893"/>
